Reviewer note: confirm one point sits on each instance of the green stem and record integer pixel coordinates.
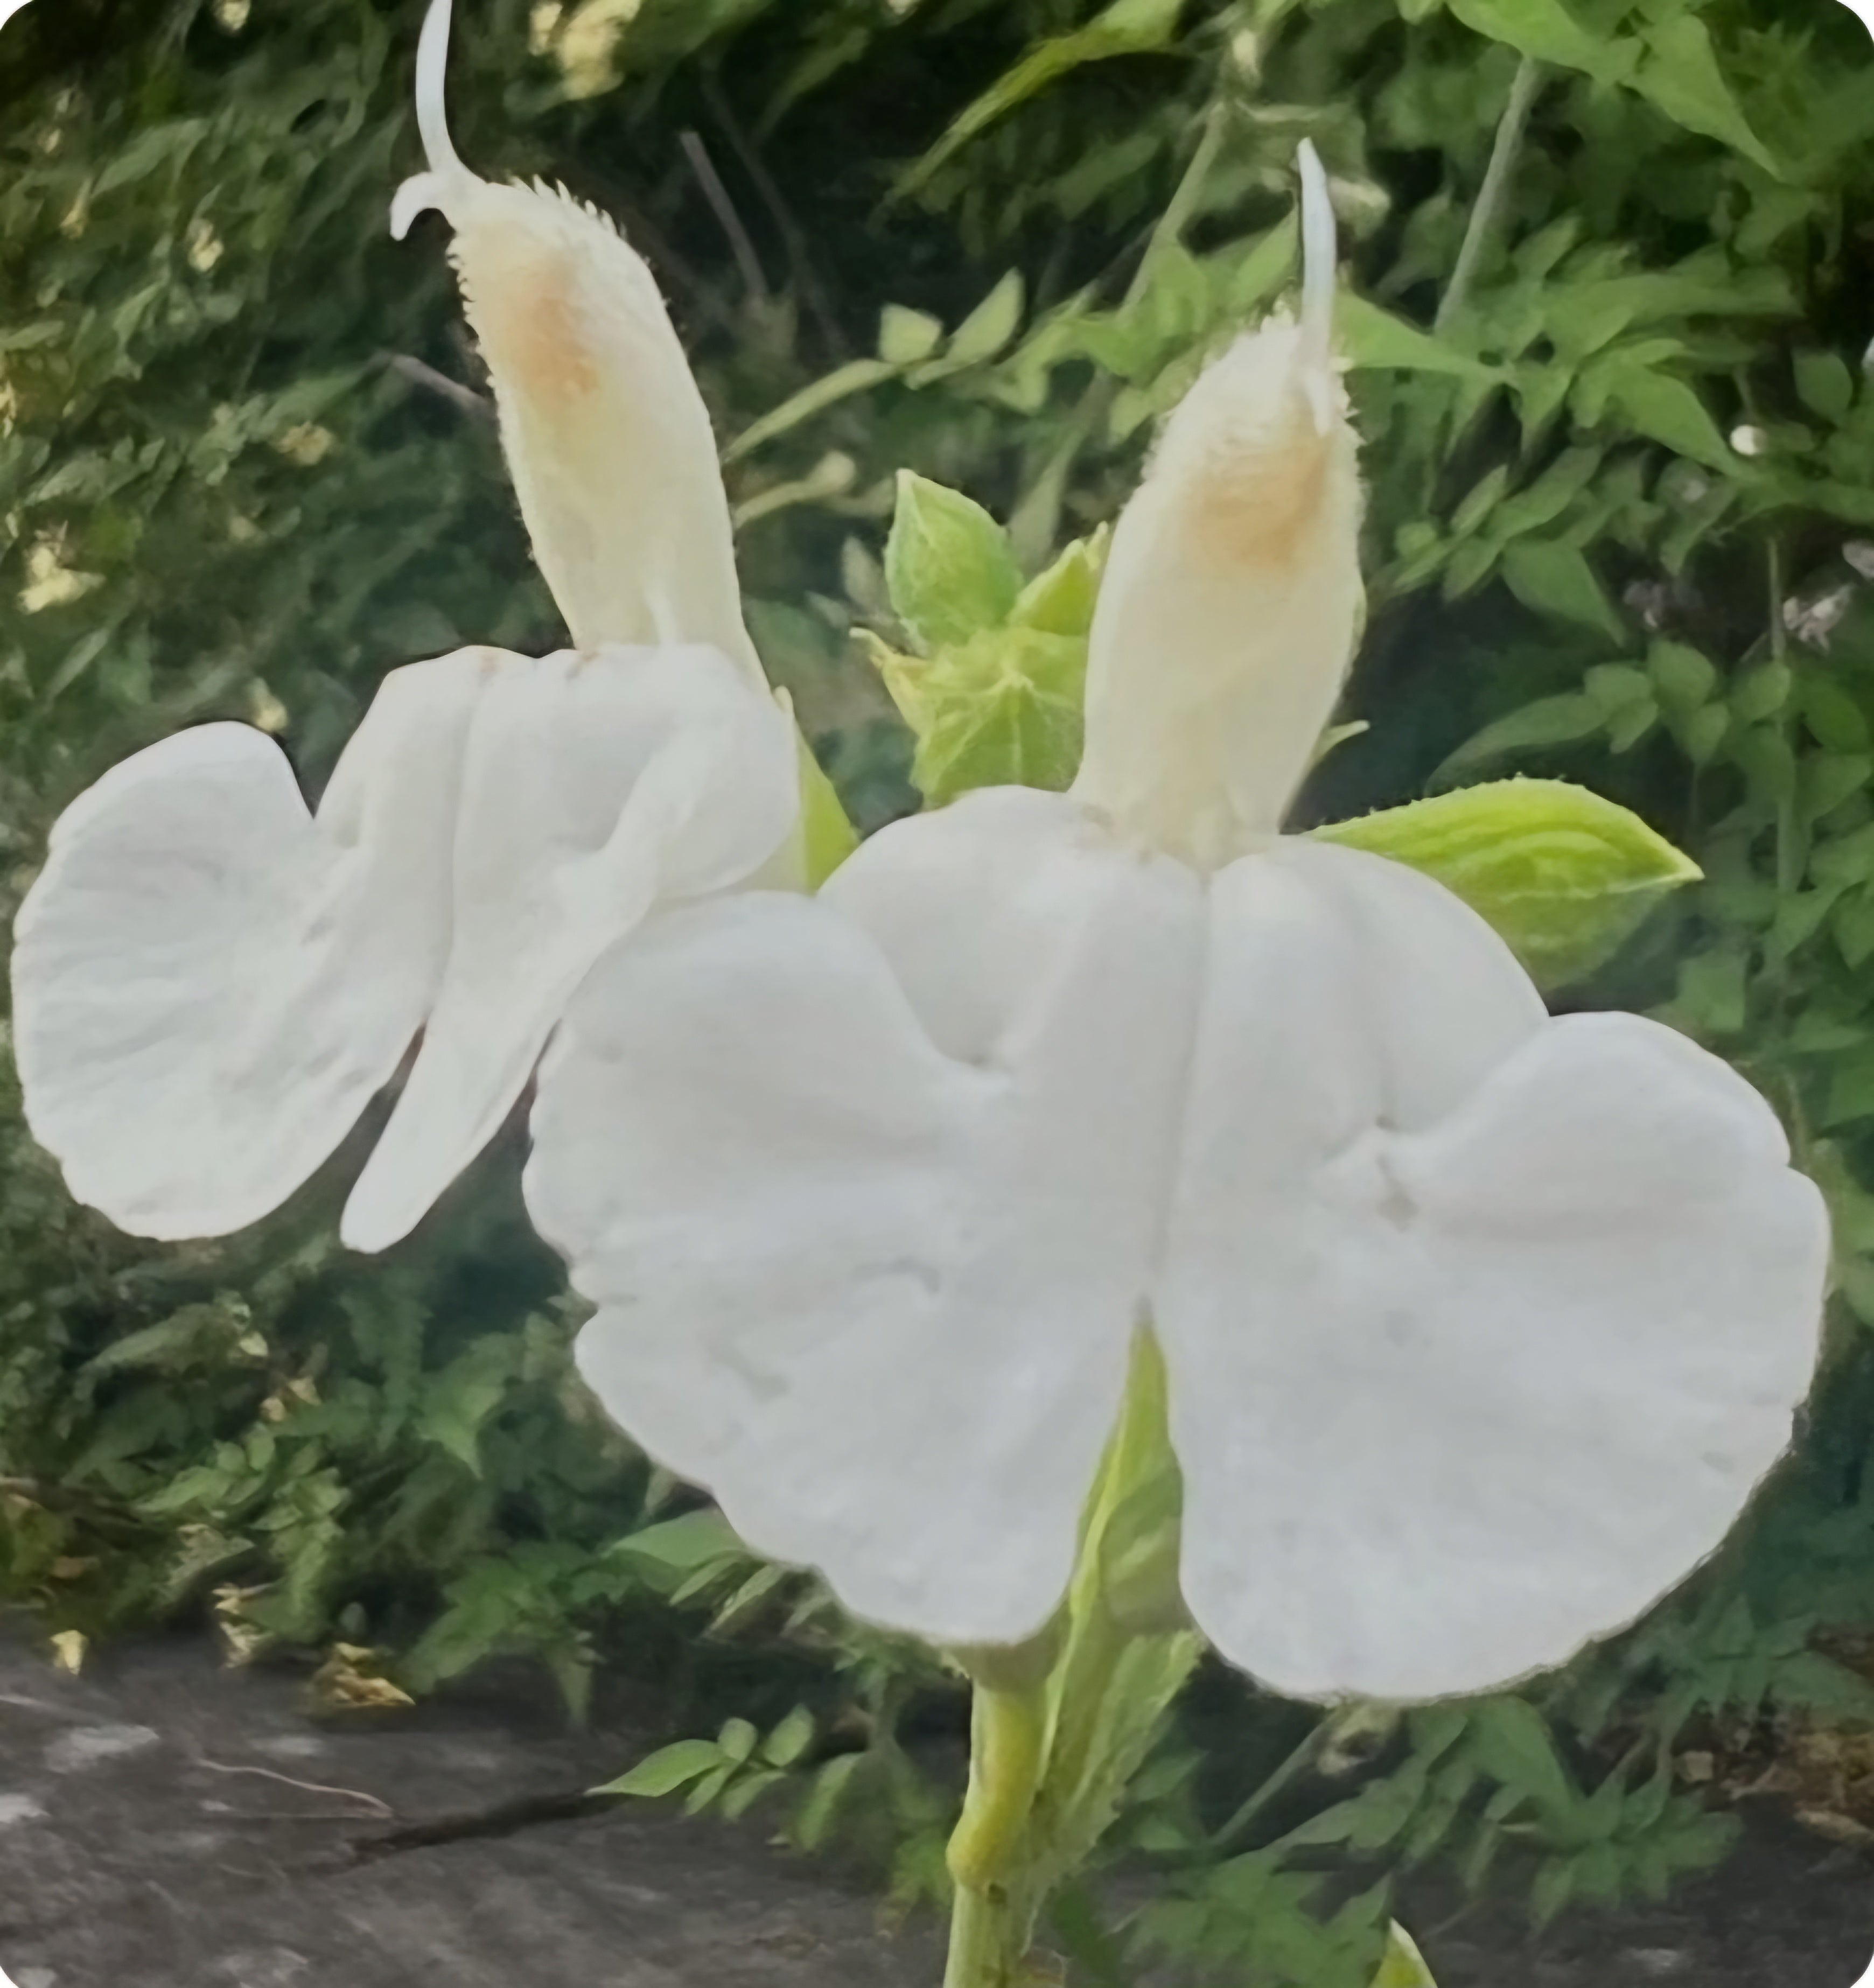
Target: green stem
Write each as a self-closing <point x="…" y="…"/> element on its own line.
<point x="988" y="1943"/>
<point x="1008" y="1750"/>
<point x="993" y="1915"/>
<point x="1495" y="190"/>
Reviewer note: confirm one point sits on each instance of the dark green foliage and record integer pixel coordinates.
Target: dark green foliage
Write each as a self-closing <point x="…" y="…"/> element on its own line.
<point x="1622" y="529"/>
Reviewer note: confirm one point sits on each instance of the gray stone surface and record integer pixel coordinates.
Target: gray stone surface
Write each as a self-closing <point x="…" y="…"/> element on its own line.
<point x="146" y="1842"/>
<point x="152" y="1836"/>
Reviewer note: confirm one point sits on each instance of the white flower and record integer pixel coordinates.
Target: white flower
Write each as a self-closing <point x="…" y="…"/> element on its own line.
<point x="210" y="982"/>
<point x="1480" y="1328"/>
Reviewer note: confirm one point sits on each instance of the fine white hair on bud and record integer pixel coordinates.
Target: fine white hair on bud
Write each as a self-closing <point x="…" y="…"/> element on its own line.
<point x="1232" y="599"/>
<point x="607" y="436"/>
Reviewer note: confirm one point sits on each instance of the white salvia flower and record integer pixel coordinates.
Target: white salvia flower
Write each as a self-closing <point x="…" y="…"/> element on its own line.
<point x="210" y="982"/>
<point x="1478" y="1327"/>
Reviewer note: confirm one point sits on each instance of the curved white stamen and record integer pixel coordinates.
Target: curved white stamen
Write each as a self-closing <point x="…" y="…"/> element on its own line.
<point x="1317" y="273"/>
<point x="447" y="176"/>
<point x="432" y="67"/>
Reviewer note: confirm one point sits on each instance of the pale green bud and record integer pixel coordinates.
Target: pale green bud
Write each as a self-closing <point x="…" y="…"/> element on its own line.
<point x="948" y="565"/>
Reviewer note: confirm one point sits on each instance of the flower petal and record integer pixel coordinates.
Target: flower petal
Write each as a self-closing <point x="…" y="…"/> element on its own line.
<point x="594" y="788"/>
<point x="879" y="1300"/>
<point x="208" y="984"/>
<point x="1480" y="1329"/>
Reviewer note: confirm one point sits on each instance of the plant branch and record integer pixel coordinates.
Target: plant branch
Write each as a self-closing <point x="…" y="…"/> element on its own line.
<point x="740" y="244"/>
<point x="1486" y="214"/>
<point x="807" y="284"/>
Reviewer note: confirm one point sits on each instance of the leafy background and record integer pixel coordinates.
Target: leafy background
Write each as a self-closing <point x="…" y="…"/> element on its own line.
<point x="1620" y="438"/>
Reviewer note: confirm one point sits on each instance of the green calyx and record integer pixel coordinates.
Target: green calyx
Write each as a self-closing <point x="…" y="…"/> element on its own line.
<point x="1052" y="1751"/>
<point x="1564" y="876"/>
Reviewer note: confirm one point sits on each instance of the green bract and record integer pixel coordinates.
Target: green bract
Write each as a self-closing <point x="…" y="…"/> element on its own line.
<point x="997" y="699"/>
<point x="948" y="563"/>
<point x="1002" y="708"/>
<point x="1564" y="876"/>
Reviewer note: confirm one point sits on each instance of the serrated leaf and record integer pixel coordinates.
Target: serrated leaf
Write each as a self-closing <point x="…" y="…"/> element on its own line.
<point x="1564" y="876"/>
<point x="1511" y="1741"/>
<point x="1680" y="74"/>
<point x="948" y="565"/>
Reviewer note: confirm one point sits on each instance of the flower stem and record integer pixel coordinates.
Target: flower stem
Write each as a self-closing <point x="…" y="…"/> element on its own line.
<point x="1008" y="1749"/>
<point x="1491" y="197"/>
<point x="988" y="1943"/>
<point x="993" y="1914"/>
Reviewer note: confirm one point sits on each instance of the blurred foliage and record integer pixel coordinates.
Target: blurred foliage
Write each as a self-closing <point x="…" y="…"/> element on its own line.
<point x="1620" y="438"/>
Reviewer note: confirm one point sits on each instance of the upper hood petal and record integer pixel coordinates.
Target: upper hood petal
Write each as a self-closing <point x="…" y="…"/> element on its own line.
<point x="594" y="788"/>
<point x="607" y="439"/>
<point x="1480" y="1328"/>
<point x="209" y="984"/>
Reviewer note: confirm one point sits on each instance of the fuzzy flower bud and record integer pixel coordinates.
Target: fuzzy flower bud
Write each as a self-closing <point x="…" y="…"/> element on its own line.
<point x="1232" y="597"/>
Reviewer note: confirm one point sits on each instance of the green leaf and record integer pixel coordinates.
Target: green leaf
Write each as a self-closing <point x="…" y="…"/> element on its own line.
<point x="1826" y="386"/>
<point x="905" y="336"/>
<point x="736" y="1740"/>
<point x="456" y="1403"/>
<point x="791" y="1739"/>
<point x="1681" y="74"/>
<point x="1556" y="579"/>
<point x="1374" y="339"/>
<point x="982" y="334"/>
<point x="667" y="1769"/>
<point x="1549" y="721"/>
<point x="1404" y="1965"/>
<point x="1511" y="1741"/>
<point x="1564" y="876"/>
<point x="1760" y="693"/>
<point x="1127" y="27"/>
<point x="1683" y="678"/>
<point x="748" y="1789"/>
<point x="1546" y="30"/>
<point x="678" y="1548"/>
<point x="948" y="565"/>
<point x="1667" y="411"/>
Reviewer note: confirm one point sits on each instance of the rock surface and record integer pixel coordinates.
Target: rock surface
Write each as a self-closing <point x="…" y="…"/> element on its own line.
<point x="165" y="1823"/>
